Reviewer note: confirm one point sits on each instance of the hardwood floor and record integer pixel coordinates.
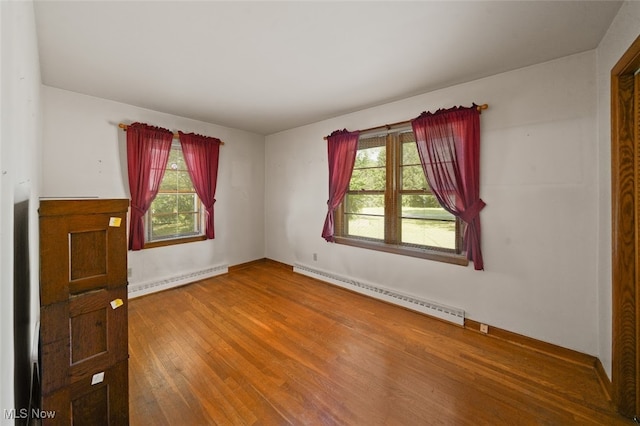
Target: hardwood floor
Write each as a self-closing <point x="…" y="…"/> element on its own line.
<point x="263" y="345"/>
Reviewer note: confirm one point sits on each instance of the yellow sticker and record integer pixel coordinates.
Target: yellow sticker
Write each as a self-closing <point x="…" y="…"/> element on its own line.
<point x="115" y="222"/>
<point x="116" y="303"/>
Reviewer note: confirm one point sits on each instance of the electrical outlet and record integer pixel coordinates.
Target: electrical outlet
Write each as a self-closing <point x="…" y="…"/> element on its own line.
<point x="484" y="328"/>
<point x="315" y="257"/>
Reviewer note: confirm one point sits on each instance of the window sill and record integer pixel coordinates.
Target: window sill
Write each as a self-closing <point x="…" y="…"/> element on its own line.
<point x="174" y="241"/>
<point x="438" y="256"/>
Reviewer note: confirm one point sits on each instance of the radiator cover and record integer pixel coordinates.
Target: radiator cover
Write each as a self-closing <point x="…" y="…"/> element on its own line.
<point x="140" y="289"/>
<point x="447" y="313"/>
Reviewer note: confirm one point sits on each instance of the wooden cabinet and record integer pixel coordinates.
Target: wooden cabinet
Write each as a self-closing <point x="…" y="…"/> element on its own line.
<point x="83" y="311"/>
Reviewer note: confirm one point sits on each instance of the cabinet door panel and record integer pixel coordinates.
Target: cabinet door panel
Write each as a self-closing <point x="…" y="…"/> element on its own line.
<point x="93" y="336"/>
<point x="91" y="400"/>
<point x="80" y="253"/>
<point x="97" y="332"/>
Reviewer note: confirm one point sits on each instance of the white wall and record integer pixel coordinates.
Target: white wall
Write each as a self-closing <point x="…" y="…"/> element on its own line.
<point x="20" y="142"/>
<point x="538" y="178"/>
<point x="624" y="29"/>
<point x="84" y="153"/>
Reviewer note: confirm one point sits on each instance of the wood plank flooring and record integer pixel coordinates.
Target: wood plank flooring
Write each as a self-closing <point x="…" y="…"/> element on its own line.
<point x="263" y="345"/>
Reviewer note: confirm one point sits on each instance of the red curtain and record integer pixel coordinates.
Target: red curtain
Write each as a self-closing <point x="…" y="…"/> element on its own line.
<point x="148" y="150"/>
<point x="201" y="154"/>
<point x="341" y="146"/>
<point x="449" y="148"/>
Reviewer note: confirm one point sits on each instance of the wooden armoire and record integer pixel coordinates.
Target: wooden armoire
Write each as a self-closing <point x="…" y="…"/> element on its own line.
<point x="83" y="311"/>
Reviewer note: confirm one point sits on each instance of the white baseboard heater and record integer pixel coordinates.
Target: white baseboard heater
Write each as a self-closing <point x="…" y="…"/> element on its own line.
<point x="140" y="289"/>
<point x="447" y="313"/>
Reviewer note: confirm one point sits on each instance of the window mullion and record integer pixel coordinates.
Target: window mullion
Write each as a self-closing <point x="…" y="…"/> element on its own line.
<point x="391" y="215"/>
<point x="340" y="225"/>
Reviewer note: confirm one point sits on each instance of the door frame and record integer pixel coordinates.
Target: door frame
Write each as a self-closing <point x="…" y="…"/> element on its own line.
<point x="625" y="231"/>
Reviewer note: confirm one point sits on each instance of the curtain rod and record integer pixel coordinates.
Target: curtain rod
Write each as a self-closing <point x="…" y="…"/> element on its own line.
<point x="175" y="135"/>
<point x="400" y="123"/>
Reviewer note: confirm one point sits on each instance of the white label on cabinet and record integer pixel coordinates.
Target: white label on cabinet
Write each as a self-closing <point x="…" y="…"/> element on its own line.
<point x="115" y="222"/>
<point x="97" y="378"/>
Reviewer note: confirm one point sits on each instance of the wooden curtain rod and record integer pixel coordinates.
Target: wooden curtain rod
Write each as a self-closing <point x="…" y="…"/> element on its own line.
<point x="400" y="123"/>
<point x="175" y="135"/>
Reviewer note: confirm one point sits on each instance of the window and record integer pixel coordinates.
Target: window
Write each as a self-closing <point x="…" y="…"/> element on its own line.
<point x="175" y="215"/>
<point x="390" y="207"/>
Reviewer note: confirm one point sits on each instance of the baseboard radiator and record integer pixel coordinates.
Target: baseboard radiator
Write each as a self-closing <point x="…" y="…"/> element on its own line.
<point x="140" y="289"/>
<point x="447" y="313"/>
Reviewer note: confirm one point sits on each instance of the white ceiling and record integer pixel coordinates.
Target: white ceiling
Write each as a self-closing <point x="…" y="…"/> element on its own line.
<point x="269" y="66"/>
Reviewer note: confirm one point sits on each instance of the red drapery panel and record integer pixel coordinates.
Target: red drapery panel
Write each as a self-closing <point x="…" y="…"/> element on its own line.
<point x="201" y="154"/>
<point x="148" y="150"/>
<point x="449" y="148"/>
<point x="341" y="146"/>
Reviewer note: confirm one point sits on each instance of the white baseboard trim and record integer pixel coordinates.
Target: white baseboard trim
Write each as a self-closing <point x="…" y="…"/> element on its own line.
<point x="447" y="313"/>
<point x="140" y="289"/>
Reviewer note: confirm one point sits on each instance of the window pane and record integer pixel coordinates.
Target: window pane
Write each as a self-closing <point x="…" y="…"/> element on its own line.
<point x="164" y="203"/>
<point x="411" y="169"/>
<point x="174" y="156"/>
<point x="425" y="222"/>
<point x="188" y="223"/>
<point x="368" y="204"/>
<point x="179" y="161"/>
<point x="365" y="215"/>
<point x="371" y="157"/>
<point x="423" y="206"/>
<point x="369" y="179"/>
<point x="163" y="225"/>
<point x="168" y="183"/>
<point x="410" y="153"/>
<point x="174" y="224"/>
<point x="184" y="181"/>
<point x="413" y="178"/>
<point x="365" y="226"/>
<point x="186" y="203"/>
<point x="434" y="233"/>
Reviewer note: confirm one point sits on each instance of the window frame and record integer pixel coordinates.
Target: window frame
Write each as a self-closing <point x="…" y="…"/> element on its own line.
<point x="392" y="216"/>
<point x="179" y="239"/>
